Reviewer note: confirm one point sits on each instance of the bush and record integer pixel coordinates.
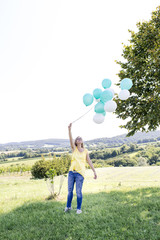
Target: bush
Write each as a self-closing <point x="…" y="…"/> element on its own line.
<point x="125" y="162"/>
<point x="60" y="165"/>
<point x="153" y="159"/>
<point x="40" y="168"/>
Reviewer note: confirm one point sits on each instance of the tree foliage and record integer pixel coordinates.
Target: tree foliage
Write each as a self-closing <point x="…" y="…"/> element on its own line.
<point x="40" y="168"/>
<point x="111" y="153"/>
<point x="142" y="64"/>
<point x="59" y="165"/>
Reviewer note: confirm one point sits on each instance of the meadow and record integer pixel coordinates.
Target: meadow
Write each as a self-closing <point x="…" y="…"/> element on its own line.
<point x="123" y="203"/>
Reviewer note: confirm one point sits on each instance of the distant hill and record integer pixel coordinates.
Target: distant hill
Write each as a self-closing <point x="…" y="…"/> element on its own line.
<point x="48" y="143"/>
<point x="64" y="143"/>
<point x="140" y="137"/>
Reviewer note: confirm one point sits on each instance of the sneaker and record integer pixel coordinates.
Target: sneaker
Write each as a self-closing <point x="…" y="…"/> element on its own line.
<point x="79" y="211"/>
<point x="67" y="209"/>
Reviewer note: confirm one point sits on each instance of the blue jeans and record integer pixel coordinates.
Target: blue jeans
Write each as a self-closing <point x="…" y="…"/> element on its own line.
<point x="75" y="177"/>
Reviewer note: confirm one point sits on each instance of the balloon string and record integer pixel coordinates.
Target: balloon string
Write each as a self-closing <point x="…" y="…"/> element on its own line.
<point x="83" y="114"/>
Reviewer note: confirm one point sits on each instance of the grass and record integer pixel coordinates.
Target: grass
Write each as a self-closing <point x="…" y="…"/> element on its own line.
<point x="27" y="161"/>
<point x="22" y="161"/>
<point x="123" y="203"/>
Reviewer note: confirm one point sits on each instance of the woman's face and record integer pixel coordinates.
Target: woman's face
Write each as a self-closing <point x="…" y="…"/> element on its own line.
<point x="79" y="140"/>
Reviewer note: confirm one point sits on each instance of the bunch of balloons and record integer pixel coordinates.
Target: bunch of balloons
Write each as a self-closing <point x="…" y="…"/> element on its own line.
<point x="104" y="98"/>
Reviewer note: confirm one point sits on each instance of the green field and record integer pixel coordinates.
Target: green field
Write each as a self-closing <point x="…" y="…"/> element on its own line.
<point x="25" y="161"/>
<point x="123" y="203"/>
<point x="20" y="161"/>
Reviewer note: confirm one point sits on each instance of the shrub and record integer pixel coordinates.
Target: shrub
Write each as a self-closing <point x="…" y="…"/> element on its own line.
<point x="60" y="165"/>
<point x="125" y="162"/>
<point x="40" y="168"/>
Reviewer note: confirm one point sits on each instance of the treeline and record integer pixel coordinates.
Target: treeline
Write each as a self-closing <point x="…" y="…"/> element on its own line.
<point x="110" y="153"/>
<point x="22" y="154"/>
<point x="143" y="156"/>
<point x="148" y="140"/>
<point x="28" y="153"/>
<point x="119" y="162"/>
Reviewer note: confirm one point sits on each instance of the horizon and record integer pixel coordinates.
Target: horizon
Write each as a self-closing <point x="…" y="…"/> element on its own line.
<point x="67" y="139"/>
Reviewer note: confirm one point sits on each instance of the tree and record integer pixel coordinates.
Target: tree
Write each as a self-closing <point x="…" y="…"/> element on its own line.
<point x="114" y="153"/>
<point x="124" y="148"/>
<point x="132" y="148"/>
<point x="51" y="173"/>
<point x="40" y="168"/>
<point x="153" y="159"/>
<point x="142" y="65"/>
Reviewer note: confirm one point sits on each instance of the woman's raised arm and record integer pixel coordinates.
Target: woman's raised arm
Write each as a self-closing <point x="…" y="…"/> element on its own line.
<point x="70" y="137"/>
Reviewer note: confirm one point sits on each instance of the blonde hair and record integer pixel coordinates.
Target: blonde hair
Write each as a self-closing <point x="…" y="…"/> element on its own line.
<point x="82" y="145"/>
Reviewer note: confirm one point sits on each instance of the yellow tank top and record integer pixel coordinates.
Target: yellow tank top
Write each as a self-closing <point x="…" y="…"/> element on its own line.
<point x="78" y="161"/>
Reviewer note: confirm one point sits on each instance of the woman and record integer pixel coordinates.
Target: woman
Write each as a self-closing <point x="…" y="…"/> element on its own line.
<point x="77" y="170"/>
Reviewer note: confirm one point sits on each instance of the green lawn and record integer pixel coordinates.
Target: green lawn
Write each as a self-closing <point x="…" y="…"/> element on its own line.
<point x="123" y="203"/>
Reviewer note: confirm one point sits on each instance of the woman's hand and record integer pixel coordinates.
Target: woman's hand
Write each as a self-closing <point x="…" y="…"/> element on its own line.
<point x="69" y="126"/>
<point x="95" y="175"/>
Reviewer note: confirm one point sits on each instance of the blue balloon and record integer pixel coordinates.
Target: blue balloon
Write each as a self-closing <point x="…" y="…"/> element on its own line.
<point x="106" y="83"/>
<point x="106" y="96"/>
<point x="99" y="107"/>
<point x="126" y="83"/>
<point x="88" y="99"/>
<point x="97" y="93"/>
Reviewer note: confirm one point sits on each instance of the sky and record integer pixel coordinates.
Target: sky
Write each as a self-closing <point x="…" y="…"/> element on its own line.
<point x="52" y="52"/>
